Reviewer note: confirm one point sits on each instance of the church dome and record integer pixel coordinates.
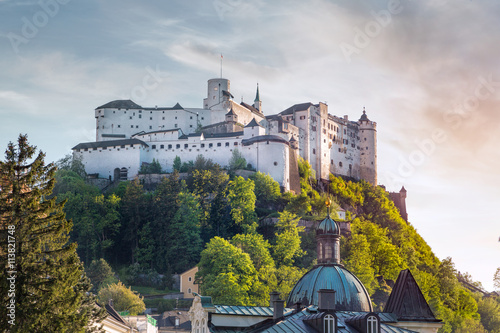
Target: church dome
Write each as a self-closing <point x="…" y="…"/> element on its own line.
<point x="328" y="226"/>
<point x="350" y="294"/>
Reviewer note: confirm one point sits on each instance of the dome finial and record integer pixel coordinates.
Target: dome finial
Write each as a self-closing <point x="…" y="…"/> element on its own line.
<point x="328" y="203"/>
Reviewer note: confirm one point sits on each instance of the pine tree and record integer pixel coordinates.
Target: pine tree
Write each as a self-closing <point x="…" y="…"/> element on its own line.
<point x="41" y="273"/>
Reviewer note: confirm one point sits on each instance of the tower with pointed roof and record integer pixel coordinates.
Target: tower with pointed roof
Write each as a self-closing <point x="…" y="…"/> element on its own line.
<point x="257" y="103"/>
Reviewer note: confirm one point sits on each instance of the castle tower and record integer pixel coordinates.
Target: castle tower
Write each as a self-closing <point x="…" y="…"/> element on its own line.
<point x="368" y="145"/>
<point x="257" y="103"/>
<point x="218" y="92"/>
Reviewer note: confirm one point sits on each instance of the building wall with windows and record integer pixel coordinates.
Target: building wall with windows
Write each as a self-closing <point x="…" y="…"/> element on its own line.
<point x="187" y="283"/>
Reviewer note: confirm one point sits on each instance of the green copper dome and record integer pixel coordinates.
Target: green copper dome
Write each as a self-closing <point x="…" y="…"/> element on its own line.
<point x="328" y="226"/>
<point x="350" y="294"/>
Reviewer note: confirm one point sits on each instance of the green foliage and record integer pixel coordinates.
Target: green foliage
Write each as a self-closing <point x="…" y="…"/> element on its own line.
<point x="496" y="279"/>
<point x="99" y="272"/>
<point x="237" y="161"/>
<point x="267" y="190"/>
<point x="124" y="299"/>
<point x="51" y="289"/>
<point x="177" y="164"/>
<point x="489" y="310"/>
<point x="287" y="246"/>
<point x="150" y="168"/>
<point x="242" y="199"/>
<point x="226" y="272"/>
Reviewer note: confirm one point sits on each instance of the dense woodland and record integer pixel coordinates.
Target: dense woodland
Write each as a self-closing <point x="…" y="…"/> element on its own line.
<point x="217" y="220"/>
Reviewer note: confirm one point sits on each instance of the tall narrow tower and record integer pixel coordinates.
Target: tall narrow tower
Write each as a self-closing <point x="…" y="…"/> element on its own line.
<point x="215" y="93"/>
<point x="257" y="103"/>
<point x="368" y="147"/>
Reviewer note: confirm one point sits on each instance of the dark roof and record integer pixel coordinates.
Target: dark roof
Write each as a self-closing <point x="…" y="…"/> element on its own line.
<point x="177" y="106"/>
<point x="114" y="136"/>
<point x="120" y="104"/>
<point x="364" y="117"/>
<point x="112" y="312"/>
<point x="406" y="300"/>
<point x="227" y="93"/>
<point x="222" y="135"/>
<point x="231" y="113"/>
<point x="168" y="320"/>
<point x="350" y="294"/>
<point x="159" y="131"/>
<point x="297" y="107"/>
<point x="328" y="226"/>
<point x="261" y="138"/>
<point x="253" y="123"/>
<point x="249" y="107"/>
<point x="110" y="143"/>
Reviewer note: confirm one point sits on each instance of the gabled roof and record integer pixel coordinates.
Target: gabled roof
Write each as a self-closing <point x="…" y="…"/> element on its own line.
<point x="112" y="312"/>
<point x="120" y="104"/>
<point x="231" y="113"/>
<point x="297" y="107"/>
<point x="249" y="107"/>
<point x="262" y="138"/>
<point x="407" y="302"/>
<point x="110" y="143"/>
<point x="253" y="123"/>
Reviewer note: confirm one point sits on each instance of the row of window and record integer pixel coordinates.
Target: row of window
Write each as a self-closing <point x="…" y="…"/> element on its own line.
<point x="178" y="146"/>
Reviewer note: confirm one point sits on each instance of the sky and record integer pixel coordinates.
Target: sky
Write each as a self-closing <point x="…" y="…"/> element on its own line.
<point x="428" y="72"/>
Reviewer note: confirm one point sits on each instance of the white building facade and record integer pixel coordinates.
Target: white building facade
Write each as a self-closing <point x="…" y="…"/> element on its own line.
<point x="128" y="135"/>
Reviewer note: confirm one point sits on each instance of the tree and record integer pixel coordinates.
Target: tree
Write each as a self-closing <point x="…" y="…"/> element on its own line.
<point x="226" y="273"/>
<point x="242" y="199"/>
<point x="185" y="233"/>
<point x="267" y="190"/>
<point x="287" y="246"/>
<point x="46" y="278"/>
<point x="99" y="272"/>
<point x="237" y="161"/>
<point x="124" y="299"/>
<point x="177" y="164"/>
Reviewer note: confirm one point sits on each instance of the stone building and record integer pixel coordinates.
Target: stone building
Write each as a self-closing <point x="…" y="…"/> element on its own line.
<point x="129" y="135"/>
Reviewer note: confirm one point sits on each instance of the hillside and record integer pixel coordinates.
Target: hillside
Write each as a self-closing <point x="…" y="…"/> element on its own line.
<point x="215" y="219"/>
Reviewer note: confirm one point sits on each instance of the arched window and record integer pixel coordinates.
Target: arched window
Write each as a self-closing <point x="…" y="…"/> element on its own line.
<point x="329" y="324"/>
<point x="197" y="326"/>
<point x="203" y="326"/>
<point x="372" y="324"/>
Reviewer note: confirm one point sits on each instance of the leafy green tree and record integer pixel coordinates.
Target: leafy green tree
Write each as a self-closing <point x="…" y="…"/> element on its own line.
<point x="177" y="164"/>
<point x="185" y="233"/>
<point x="226" y="273"/>
<point x="267" y="190"/>
<point x="43" y="269"/>
<point x="99" y="271"/>
<point x="287" y="246"/>
<point x="242" y="199"/>
<point x="496" y="279"/>
<point x="149" y="168"/>
<point x="237" y="161"/>
<point x="360" y="261"/>
<point x="124" y="299"/>
<point x="489" y="310"/>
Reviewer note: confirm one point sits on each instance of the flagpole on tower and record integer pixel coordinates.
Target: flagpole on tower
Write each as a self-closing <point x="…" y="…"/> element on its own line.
<point x="221" y="66"/>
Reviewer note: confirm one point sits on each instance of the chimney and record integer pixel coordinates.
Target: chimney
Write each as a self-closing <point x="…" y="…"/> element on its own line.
<point x="274" y="296"/>
<point x="326" y="300"/>
<point x="279" y="309"/>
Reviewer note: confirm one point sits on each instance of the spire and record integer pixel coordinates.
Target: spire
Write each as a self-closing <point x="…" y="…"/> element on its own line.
<point x="257" y="96"/>
<point x="257" y="103"/>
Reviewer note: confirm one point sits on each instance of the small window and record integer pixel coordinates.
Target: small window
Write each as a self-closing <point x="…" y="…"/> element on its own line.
<point x="162" y="146"/>
<point x="169" y="146"/>
<point x="314" y="150"/>
<point x="189" y="290"/>
<point x="190" y="279"/>
<point x="150" y="127"/>
<point x="175" y="125"/>
<point x="140" y="111"/>
<point x="191" y="126"/>
<point x="140" y="116"/>
<point x="136" y="126"/>
<point x="329" y="324"/>
<point x="219" y="144"/>
<point x="130" y="117"/>
<point x="122" y="146"/>
<point x="236" y="143"/>
<point x="202" y="145"/>
<point x="191" y="117"/>
<point x="150" y="118"/>
<point x="275" y="163"/>
<point x="372" y="324"/>
<point x="186" y="146"/>
<point x="177" y="146"/>
<point x="227" y="144"/>
<point x="154" y="146"/>
<point x="131" y="126"/>
<point x="340" y="164"/>
<point x="210" y="145"/>
<point x="162" y="118"/>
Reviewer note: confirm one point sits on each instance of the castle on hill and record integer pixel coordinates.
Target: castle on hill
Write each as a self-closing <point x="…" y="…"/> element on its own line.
<point x="129" y="135"/>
